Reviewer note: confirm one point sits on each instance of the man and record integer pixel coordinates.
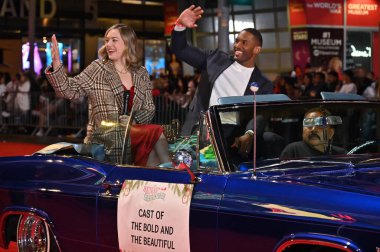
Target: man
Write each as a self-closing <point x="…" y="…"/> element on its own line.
<point x="318" y="132"/>
<point x="333" y="82"/>
<point x="221" y="74"/>
<point x="361" y="80"/>
<point x="317" y="86"/>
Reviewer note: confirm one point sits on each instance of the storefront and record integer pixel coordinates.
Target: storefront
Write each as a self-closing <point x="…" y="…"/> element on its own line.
<point x="345" y="30"/>
<point x="78" y="26"/>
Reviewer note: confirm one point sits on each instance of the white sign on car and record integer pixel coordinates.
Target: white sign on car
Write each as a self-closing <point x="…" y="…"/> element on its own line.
<point x="153" y="216"/>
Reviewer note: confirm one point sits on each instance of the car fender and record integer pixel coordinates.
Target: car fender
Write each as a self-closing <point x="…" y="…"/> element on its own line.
<point x="22" y="210"/>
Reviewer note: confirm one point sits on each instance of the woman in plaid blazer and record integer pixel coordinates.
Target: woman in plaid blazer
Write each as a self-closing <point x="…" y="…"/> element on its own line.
<point x="104" y="82"/>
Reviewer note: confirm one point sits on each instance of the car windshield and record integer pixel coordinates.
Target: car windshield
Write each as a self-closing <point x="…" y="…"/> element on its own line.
<point x="295" y="130"/>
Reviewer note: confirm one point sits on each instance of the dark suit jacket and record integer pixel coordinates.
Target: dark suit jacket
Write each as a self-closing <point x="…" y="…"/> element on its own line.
<point x="211" y="64"/>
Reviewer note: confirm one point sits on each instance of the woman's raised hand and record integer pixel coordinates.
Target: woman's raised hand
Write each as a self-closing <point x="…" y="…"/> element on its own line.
<point x="55" y="52"/>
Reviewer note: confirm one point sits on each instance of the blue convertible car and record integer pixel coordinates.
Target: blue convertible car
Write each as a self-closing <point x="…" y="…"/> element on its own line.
<point x="267" y="175"/>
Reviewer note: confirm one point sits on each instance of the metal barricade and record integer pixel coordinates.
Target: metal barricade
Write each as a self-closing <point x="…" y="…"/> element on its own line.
<point x="54" y="114"/>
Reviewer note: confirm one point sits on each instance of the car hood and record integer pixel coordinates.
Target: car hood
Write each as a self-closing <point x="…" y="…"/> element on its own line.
<point x="360" y="173"/>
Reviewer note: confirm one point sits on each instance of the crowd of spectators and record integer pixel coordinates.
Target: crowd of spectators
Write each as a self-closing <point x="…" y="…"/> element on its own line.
<point x="309" y="82"/>
<point x="29" y="100"/>
<point x="29" y="105"/>
<point x="181" y="90"/>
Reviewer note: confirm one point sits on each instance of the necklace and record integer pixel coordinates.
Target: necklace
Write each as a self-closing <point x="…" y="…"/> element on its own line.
<point x="123" y="71"/>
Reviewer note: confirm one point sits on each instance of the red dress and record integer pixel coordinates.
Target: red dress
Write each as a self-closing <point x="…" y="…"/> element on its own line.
<point x="143" y="137"/>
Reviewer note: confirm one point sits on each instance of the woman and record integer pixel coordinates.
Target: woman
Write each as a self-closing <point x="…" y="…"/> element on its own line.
<point x="22" y="98"/>
<point x="307" y="84"/>
<point x="104" y="83"/>
<point x="336" y="64"/>
<point x="348" y="87"/>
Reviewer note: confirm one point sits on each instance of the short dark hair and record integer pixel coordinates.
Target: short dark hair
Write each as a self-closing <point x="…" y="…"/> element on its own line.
<point x="320" y="75"/>
<point x="320" y="110"/>
<point x="290" y="80"/>
<point x="349" y="73"/>
<point x="309" y="76"/>
<point x="333" y="73"/>
<point x="256" y="34"/>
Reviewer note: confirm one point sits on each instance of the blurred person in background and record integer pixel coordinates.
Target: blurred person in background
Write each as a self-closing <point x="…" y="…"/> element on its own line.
<point x="297" y="73"/>
<point x="191" y="88"/>
<point x="361" y="80"/>
<point x="78" y="109"/>
<point x="317" y="86"/>
<point x="48" y="107"/>
<point x="4" y="79"/>
<point x="332" y="81"/>
<point x="378" y="88"/>
<point x="279" y="85"/>
<point x="3" y="88"/>
<point x="336" y="65"/>
<point x="22" y="100"/>
<point x="370" y="91"/>
<point x="371" y="75"/>
<point x="348" y="86"/>
<point x="291" y="90"/>
<point x="306" y="85"/>
<point x="10" y="94"/>
<point x="174" y="73"/>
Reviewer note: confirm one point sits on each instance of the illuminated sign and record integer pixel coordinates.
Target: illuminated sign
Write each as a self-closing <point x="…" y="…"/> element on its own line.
<point x="300" y="35"/>
<point x="359" y="50"/>
<point x="25" y="58"/>
<point x="8" y="7"/>
<point x="324" y="12"/>
<point x="335" y="8"/>
<point x="362" y="13"/>
<point x="361" y="9"/>
<point x="324" y="44"/>
<point x="357" y="53"/>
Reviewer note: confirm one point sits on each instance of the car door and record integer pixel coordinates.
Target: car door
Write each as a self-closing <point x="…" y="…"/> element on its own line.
<point x="204" y="204"/>
<point x="65" y="190"/>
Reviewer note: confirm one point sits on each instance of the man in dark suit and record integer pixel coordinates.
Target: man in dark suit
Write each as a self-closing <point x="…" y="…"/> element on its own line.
<point x="222" y="74"/>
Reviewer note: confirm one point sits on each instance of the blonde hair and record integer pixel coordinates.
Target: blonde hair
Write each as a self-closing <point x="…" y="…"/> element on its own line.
<point x="335" y="64"/>
<point x="130" y="41"/>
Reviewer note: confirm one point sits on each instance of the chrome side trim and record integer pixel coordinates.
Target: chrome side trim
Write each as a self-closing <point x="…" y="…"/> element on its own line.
<point x="335" y="242"/>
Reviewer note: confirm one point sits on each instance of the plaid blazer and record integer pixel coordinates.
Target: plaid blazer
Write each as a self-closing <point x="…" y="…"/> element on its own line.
<point x="104" y="89"/>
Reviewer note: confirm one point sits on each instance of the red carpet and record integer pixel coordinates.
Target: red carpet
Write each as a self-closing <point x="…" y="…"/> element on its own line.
<point x="17" y="149"/>
<point x="12" y="248"/>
